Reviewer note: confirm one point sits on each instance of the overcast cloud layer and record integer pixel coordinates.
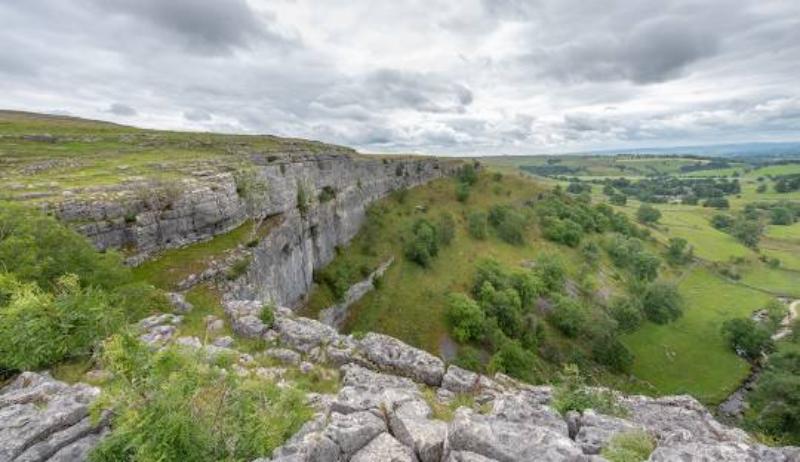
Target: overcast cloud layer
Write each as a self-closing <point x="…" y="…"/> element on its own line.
<point x="434" y="76"/>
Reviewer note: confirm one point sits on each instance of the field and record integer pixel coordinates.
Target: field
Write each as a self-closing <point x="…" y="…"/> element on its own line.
<point x="689" y="355"/>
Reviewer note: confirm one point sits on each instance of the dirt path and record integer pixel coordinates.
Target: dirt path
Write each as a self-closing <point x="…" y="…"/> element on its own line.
<point x="786" y="324"/>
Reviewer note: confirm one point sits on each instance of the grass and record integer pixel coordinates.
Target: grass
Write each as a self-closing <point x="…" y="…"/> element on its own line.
<point x="172" y="266"/>
<point x="690" y="354"/>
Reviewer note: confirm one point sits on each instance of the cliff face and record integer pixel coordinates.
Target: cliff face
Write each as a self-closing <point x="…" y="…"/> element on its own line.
<point x="335" y="191"/>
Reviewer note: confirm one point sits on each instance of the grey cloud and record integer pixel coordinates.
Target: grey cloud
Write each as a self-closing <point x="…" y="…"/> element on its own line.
<point x="394" y="89"/>
<point x="122" y="110"/>
<point x="213" y="26"/>
<point x="196" y="115"/>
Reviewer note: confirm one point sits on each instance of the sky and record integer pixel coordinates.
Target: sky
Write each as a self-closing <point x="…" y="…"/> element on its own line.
<point x="448" y="77"/>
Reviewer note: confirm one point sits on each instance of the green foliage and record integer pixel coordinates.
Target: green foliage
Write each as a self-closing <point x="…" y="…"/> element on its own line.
<point x="423" y="244"/>
<point x="569" y="316"/>
<point x="303" y="198"/>
<point x="468" y="174"/>
<point x="477" y="225"/>
<point x="466" y="318"/>
<point x="516" y="361"/>
<point x="508" y="223"/>
<point x="716" y="202"/>
<point x="446" y="227"/>
<point x="572" y="394"/>
<point x="169" y="405"/>
<point x="629" y="253"/>
<point x="267" y="315"/>
<point x="747" y="338"/>
<point x="609" y="351"/>
<point x="551" y="272"/>
<point x="648" y="214"/>
<point x="469" y="358"/>
<point x="462" y="192"/>
<point x="564" y="231"/>
<point x="633" y="446"/>
<point x="721" y="221"/>
<point x="39" y="328"/>
<point x="238" y="268"/>
<point x="748" y="232"/>
<point x="678" y="252"/>
<point x="618" y="199"/>
<point x="337" y="278"/>
<point x="37" y="248"/>
<point x="327" y="194"/>
<point x="662" y="303"/>
<point x="775" y="400"/>
<point x="628" y="313"/>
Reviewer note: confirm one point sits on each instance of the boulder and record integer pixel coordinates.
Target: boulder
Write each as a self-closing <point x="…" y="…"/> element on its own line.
<point x="384" y="448"/>
<point x="411" y="425"/>
<point x="596" y="430"/>
<point x="351" y="432"/>
<point x="179" y="303"/>
<point x="392" y="355"/>
<point x="460" y="380"/>
<point x="719" y="452"/>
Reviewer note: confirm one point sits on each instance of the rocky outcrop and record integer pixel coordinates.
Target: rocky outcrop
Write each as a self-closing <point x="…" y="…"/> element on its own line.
<point x="321" y="198"/>
<point x="42" y="419"/>
<point x="336" y="315"/>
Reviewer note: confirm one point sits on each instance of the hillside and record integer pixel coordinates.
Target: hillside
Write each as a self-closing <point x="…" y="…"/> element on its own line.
<point x="158" y="296"/>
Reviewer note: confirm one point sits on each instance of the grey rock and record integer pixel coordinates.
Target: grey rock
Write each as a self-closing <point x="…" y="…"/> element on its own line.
<point x="283" y="355"/>
<point x="392" y="355"/>
<point x="223" y="342"/>
<point x="460" y="380"/>
<point x="179" y="303"/>
<point x="40" y="417"/>
<point x="367" y="390"/>
<point x="384" y="448"/>
<point x="595" y="430"/>
<point x="336" y="315"/>
<point x="351" y="432"/>
<point x="718" y="452"/>
<point x="304" y="334"/>
<point x="411" y="425"/>
<point x="306" y="367"/>
<point x="467" y="456"/>
<point x="508" y="441"/>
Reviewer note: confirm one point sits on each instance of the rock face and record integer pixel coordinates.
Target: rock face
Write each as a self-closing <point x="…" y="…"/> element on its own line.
<point x="336" y="315"/>
<point x="322" y="199"/>
<point x="42" y="419"/>
<point x="383" y="411"/>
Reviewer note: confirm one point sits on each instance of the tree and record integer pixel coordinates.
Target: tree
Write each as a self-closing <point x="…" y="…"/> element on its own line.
<point x="446" y="228"/>
<point x="476" y="225"/>
<point x="618" y="199"/>
<point x="564" y="231"/>
<point x="609" y="351"/>
<point x="644" y="266"/>
<point x="677" y="251"/>
<point x="423" y="244"/>
<point x="628" y="313"/>
<point x="515" y="361"/>
<point x="721" y="221"/>
<point x="747" y="338"/>
<point x="647" y="214"/>
<point x="781" y="216"/>
<point x="468" y="174"/>
<point x="462" y="192"/>
<point x="466" y="318"/>
<point x="747" y="231"/>
<point x="568" y="316"/>
<point x="662" y="303"/>
<point x="551" y="272"/>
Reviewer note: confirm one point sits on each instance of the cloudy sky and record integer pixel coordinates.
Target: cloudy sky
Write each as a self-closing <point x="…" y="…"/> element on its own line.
<point x="434" y="76"/>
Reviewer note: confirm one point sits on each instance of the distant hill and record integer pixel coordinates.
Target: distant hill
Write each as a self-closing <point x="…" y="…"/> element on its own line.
<point x="782" y="149"/>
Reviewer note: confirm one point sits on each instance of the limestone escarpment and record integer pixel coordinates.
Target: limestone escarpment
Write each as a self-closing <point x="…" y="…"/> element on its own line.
<point x="321" y="199"/>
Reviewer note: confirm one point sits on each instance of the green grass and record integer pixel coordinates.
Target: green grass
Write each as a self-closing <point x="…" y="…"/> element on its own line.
<point x="690" y="354"/>
<point x="172" y="266"/>
<point x="778" y="281"/>
<point x="205" y="300"/>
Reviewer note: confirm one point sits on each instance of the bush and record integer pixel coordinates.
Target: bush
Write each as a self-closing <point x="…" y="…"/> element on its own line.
<point x="628" y="314"/>
<point x="572" y="394"/>
<point x="747" y="338"/>
<point x="610" y="352"/>
<point x="466" y="318"/>
<point x="423" y="245"/>
<point x="476" y="225"/>
<point x="662" y="303"/>
<point x="721" y="222"/>
<point x="468" y="174"/>
<point x="469" y="358"/>
<point x="568" y="316"/>
<point x="508" y="223"/>
<point x="565" y="231"/>
<point x="618" y="199"/>
<point x="168" y="405"/>
<point x="677" y="252"/>
<point x="648" y="214"/>
<point x="781" y="216"/>
<point x="337" y="278"/>
<point x="37" y="248"/>
<point x="267" y="315"/>
<point x="717" y="203"/>
<point x="462" y="192"/>
<point x="238" y="268"/>
<point x="551" y="272"/>
<point x="446" y="228"/>
<point x="39" y="328"/>
<point x="515" y="361"/>
<point x="633" y="446"/>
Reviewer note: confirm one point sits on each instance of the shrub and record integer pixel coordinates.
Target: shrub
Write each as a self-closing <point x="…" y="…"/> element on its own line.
<point x="515" y="361"/>
<point x="716" y="202"/>
<point x="327" y="194"/>
<point x="423" y="245"/>
<point x="462" y="192"/>
<point x="568" y="316"/>
<point x="748" y="232"/>
<point x="267" y="315"/>
<point x="648" y="214"/>
<point x="551" y="272"/>
<point x="609" y="351"/>
<point x="476" y="225"/>
<point x="508" y="223"/>
<point x="469" y="358"/>
<point x="446" y="228"/>
<point x="564" y="231"/>
<point x="747" y="338"/>
<point x="337" y="278"/>
<point x="303" y="199"/>
<point x="628" y="313"/>
<point x="677" y="252"/>
<point x="466" y="318"/>
<point x="168" y="405"/>
<point x="781" y="216"/>
<point x="572" y="394"/>
<point x="644" y="266"/>
<point x="721" y="221"/>
<point x="618" y="199"/>
<point x="632" y="446"/>
<point x="39" y="328"/>
<point x="662" y="303"/>
<point x="238" y="268"/>
<point x="467" y="174"/>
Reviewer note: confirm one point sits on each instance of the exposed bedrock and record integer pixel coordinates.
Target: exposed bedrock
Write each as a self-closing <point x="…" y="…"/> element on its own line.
<point x="321" y="198"/>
